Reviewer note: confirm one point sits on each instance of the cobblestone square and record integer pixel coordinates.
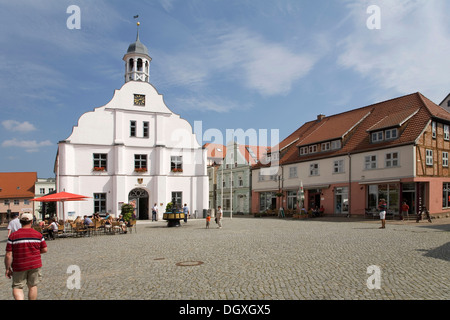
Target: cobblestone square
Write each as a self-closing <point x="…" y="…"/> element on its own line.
<point x="251" y="259"/>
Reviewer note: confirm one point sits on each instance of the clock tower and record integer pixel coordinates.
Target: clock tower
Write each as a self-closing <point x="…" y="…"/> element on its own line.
<point x="137" y="61"/>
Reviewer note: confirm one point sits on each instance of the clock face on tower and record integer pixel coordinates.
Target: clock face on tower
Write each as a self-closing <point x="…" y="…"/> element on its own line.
<point x="139" y="100"/>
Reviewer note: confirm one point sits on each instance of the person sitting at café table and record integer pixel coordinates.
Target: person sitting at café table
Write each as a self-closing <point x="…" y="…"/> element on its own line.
<point x="123" y="224"/>
<point x="87" y="221"/>
<point x="108" y="223"/>
<point x="52" y="228"/>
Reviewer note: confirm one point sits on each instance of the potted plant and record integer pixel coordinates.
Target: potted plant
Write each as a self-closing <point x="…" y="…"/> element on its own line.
<point x="169" y="207"/>
<point x="127" y="212"/>
<point x="140" y="169"/>
<point x="99" y="169"/>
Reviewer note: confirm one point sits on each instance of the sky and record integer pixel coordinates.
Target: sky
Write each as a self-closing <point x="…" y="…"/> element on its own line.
<point x="265" y="65"/>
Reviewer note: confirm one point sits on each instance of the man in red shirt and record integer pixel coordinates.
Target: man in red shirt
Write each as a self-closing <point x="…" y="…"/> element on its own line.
<point x="23" y="258"/>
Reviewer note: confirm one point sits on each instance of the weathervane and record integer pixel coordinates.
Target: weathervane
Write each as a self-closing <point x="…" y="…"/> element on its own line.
<point x="138" y="23"/>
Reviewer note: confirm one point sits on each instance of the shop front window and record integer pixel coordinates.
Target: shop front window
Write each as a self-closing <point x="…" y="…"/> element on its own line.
<point x="267" y="201"/>
<point x="446" y="195"/>
<point x="388" y="192"/>
<point x="341" y="200"/>
<point x="291" y="200"/>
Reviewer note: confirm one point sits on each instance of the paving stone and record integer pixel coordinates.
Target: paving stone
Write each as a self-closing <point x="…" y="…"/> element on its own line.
<point x="252" y="258"/>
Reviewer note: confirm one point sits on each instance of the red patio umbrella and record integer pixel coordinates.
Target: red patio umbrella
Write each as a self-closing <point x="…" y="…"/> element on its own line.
<point x="61" y="196"/>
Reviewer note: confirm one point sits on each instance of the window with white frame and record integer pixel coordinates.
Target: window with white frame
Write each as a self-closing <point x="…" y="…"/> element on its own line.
<point x="303" y="151"/>
<point x="177" y="199"/>
<point x="145" y="129"/>
<point x="260" y="176"/>
<point x="99" y="202"/>
<point x="338" y="166"/>
<point x="336" y="144"/>
<point x="291" y="200"/>
<point x="433" y="129"/>
<point x="446" y="132"/>
<point x="429" y="157"/>
<point x="140" y="162"/>
<point x="312" y="149"/>
<point x="314" y="169"/>
<point x="377" y="136"/>
<point x="326" y="146"/>
<point x="391" y="160"/>
<point x="100" y="161"/>
<point x="446" y="195"/>
<point x="370" y="162"/>
<point x="132" y="128"/>
<point x="391" y="134"/>
<point x="176" y="163"/>
<point x="293" y="172"/>
<point x="445" y="159"/>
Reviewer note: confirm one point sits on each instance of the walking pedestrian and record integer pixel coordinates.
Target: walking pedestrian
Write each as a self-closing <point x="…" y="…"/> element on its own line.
<point x="23" y="258"/>
<point x="382" y="207"/>
<point x="14" y="224"/>
<point x="219" y="217"/>
<point x="155" y="213"/>
<point x="186" y="212"/>
<point x="208" y="220"/>
<point x="427" y="215"/>
<point x="405" y="210"/>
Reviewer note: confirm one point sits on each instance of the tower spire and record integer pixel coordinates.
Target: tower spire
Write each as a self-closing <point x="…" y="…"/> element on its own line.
<point x="137" y="60"/>
<point x="137" y="33"/>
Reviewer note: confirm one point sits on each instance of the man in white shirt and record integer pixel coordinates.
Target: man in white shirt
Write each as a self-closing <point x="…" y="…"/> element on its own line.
<point x="155" y="213"/>
<point x="14" y="224"/>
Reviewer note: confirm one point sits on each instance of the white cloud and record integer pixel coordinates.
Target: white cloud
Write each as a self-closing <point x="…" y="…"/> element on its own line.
<point x="16" y="126"/>
<point x="238" y="56"/>
<point x="167" y="4"/>
<point x="209" y="103"/>
<point x="28" y="145"/>
<point x="410" y="51"/>
<point x="267" y="67"/>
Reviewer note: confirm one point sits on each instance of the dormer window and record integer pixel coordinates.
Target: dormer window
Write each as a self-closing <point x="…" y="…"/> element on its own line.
<point x="377" y="136"/>
<point x="312" y="149"/>
<point x="326" y="146"/>
<point x="336" y="144"/>
<point x="388" y="134"/>
<point x="391" y="134"/>
<point x="303" y="151"/>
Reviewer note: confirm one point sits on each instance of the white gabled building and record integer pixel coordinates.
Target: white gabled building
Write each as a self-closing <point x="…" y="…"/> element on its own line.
<point x="132" y="150"/>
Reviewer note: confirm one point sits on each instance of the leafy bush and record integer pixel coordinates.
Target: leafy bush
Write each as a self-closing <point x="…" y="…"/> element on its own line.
<point x="127" y="211"/>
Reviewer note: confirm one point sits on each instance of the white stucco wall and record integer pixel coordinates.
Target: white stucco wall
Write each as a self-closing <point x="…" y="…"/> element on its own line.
<point x="107" y="130"/>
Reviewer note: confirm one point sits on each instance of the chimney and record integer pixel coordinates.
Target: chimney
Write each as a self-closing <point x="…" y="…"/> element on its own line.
<point x="320" y="117"/>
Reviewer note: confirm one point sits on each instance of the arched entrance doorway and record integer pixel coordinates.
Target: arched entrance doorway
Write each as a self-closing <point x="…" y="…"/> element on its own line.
<point x="139" y="198"/>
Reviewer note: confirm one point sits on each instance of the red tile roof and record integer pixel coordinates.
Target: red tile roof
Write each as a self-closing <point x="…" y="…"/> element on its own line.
<point x="17" y="184"/>
<point x="395" y="119"/>
<point x="253" y="154"/>
<point x="214" y="150"/>
<point x="336" y="127"/>
<point x="412" y="112"/>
